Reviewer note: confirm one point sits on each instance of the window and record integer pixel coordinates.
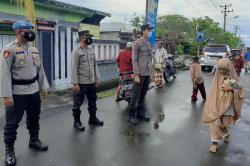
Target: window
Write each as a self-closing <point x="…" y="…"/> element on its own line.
<point x="99" y="52"/>
<point x="105" y="52"/>
<point x="115" y="50"/>
<point x="110" y="51"/>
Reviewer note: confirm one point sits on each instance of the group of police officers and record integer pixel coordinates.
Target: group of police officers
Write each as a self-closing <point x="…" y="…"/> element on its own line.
<point x="23" y="82"/>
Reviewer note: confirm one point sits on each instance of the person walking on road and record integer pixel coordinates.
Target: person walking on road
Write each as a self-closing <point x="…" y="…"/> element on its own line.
<point x="142" y="67"/>
<point x="247" y="62"/>
<point x="238" y="62"/>
<point x="223" y="106"/>
<point x="159" y="64"/>
<point x="85" y="78"/>
<point x="197" y="80"/>
<point x="21" y="78"/>
<point x="125" y="65"/>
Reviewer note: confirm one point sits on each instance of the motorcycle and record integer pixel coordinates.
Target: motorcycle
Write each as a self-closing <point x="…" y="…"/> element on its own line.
<point x="170" y="69"/>
<point x="126" y="84"/>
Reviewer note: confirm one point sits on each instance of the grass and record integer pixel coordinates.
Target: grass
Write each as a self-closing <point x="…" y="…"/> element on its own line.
<point x="104" y="94"/>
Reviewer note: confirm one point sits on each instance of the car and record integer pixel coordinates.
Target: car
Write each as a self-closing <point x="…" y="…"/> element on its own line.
<point x="212" y="53"/>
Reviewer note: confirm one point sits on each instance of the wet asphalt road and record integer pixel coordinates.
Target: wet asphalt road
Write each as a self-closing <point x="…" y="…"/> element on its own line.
<point x="174" y="137"/>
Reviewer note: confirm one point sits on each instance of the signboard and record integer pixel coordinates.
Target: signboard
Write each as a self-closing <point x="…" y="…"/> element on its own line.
<point x="93" y="29"/>
<point x="151" y="15"/>
<point x="200" y="37"/>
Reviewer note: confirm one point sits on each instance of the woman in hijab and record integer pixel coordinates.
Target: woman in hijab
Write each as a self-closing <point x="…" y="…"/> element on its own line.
<point x="224" y="102"/>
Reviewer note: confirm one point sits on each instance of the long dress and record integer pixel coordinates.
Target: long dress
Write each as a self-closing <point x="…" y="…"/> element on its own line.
<point x="222" y="109"/>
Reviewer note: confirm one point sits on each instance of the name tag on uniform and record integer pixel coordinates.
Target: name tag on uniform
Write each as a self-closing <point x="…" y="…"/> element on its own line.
<point x="35" y="53"/>
<point x="20" y="52"/>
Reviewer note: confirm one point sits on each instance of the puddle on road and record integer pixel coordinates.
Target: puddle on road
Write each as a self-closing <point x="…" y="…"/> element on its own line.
<point x="169" y="119"/>
<point x="235" y="156"/>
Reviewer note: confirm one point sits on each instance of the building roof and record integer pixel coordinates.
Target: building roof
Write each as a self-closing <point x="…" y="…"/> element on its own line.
<point x="71" y="7"/>
<point x="117" y="27"/>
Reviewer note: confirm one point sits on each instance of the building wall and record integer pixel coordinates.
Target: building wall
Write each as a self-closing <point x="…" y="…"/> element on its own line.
<point x="110" y="36"/>
<point x="106" y="53"/>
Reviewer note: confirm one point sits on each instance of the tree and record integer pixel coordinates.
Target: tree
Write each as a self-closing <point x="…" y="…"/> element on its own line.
<point x="179" y="32"/>
<point x="137" y="21"/>
<point x="173" y="30"/>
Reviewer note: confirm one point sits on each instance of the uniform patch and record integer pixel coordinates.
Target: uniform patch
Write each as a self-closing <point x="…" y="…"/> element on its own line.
<point x="6" y="54"/>
<point x="19" y="49"/>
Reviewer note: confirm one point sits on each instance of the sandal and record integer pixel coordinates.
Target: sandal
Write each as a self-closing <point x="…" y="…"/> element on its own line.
<point x="213" y="148"/>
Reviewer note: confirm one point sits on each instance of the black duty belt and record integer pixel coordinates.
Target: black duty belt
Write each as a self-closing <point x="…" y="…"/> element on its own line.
<point x="25" y="82"/>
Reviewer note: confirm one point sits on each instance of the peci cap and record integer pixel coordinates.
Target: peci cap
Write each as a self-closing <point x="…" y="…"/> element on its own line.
<point x="84" y="33"/>
<point x="22" y="25"/>
<point x="129" y="44"/>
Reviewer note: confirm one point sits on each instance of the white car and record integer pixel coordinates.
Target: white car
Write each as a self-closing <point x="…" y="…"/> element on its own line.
<point x="212" y="53"/>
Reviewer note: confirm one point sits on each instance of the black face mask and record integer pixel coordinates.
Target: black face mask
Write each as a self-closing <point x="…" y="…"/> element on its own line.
<point x="29" y="36"/>
<point x="89" y="41"/>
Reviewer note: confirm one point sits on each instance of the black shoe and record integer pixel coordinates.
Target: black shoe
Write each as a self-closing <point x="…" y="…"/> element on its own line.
<point x="79" y="126"/>
<point x="10" y="156"/>
<point x="95" y="121"/>
<point x="143" y="117"/>
<point x="118" y="100"/>
<point x="37" y="145"/>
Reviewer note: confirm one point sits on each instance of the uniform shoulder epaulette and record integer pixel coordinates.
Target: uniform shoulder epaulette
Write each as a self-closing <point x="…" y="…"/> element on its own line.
<point x="10" y="44"/>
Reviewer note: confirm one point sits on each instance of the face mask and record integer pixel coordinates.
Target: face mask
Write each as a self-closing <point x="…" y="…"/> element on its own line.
<point x="149" y="34"/>
<point x="29" y="36"/>
<point x="89" y="41"/>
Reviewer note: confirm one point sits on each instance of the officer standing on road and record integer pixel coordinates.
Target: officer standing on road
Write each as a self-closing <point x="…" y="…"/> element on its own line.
<point x="21" y="78"/>
<point x="142" y="66"/>
<point x="85" y="78"/>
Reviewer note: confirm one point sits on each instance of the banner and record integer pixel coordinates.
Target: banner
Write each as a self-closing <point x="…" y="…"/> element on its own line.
<point x="151" y="17"/>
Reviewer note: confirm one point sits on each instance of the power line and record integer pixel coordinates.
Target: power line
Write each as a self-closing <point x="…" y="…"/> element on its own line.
<point x="214" y="6"/>
<point x="193" y="6"/>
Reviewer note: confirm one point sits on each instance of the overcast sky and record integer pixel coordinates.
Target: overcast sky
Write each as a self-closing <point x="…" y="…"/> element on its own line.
<point x="122" y="10"/>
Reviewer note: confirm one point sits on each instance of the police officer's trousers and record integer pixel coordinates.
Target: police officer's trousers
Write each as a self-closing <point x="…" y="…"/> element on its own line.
<point x="138" y="95"/>
<point x="78" y="98"/>
<point x="32" y="104"/>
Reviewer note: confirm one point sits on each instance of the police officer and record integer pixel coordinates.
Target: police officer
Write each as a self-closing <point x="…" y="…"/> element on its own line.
<point x="142" y="66"/>
<point x="85" y="78"/>
<point x="21" y="78"/>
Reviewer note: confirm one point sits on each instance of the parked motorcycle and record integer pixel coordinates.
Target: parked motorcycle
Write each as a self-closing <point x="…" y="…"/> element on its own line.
<point x="170" y="69"/>
<point x="126" y="84"/>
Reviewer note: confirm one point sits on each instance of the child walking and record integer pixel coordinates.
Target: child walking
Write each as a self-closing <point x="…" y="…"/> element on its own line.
<point x="223" y="106"/>
<point x="197" y="80"/>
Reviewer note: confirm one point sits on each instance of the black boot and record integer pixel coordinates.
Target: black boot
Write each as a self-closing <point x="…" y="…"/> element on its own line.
<point x="37" y="145"/>
<point x="77" y="120"/>
<point x="132" y="118"/>
<point x="142" y="116"/>
<point x="93" y="120"/>
<point x="10" y="157"/>
<point x="79" y="126"/>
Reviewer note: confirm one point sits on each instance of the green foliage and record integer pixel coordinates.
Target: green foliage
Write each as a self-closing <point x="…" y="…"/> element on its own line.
<point x="137" y="21"/>
<point x="187" y="28"/>
<point x="180" y="49"/>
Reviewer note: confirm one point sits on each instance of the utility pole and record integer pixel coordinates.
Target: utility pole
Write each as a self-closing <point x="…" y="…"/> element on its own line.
<point x="236" y="30"/>
<point x="226" y="11"/>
